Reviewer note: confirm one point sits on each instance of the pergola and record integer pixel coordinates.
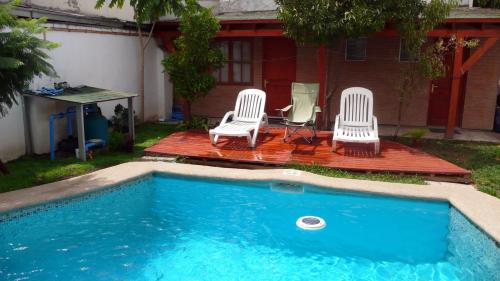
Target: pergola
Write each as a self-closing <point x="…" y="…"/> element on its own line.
<point x="79" y="97"/>
<point x="463" y="23"/>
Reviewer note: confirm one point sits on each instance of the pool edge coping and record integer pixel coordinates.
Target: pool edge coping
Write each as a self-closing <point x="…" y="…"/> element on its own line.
<point x="482" y="209"/>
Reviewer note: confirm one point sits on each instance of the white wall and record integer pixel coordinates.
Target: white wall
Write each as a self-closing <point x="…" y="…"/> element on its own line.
<point x="100" y="60"/>
<point x="157" y="105"/>
<point x="12" y="134"/>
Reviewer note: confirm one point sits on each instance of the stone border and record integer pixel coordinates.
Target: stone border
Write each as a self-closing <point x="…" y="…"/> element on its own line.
<point x="482" y="209"/>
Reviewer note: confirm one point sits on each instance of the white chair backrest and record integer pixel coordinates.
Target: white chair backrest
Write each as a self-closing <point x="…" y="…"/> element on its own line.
<point x="356" y="107"/>
<point x="249" y="105"/>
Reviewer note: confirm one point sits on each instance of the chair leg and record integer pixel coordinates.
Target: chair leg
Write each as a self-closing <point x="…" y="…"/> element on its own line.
<point x="334" y="146"/>
<point x="213" y="139"/>
<point x="308" y="140"/>
<point x="312" y="130"/>
<point x="251" y="140"/>
<point x="286" y="134"/>
<point x="377" y="148"/>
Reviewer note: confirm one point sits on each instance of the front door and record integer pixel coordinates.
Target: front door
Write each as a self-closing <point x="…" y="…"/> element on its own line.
<point x="278" y="72"/>
<point x="439" y="97"/>
<point x="440" y="94"/>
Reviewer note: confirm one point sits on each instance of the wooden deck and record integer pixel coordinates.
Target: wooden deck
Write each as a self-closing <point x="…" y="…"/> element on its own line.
<point x="270" y="150"/>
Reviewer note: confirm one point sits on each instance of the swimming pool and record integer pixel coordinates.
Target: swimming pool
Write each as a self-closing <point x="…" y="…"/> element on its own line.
<point x="178" y="228"/>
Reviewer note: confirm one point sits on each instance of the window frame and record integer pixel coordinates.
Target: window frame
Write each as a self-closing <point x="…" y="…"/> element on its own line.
<point x="365" y="56"/>
<point x="408" y="60"/>
<point x="230" y="62"/>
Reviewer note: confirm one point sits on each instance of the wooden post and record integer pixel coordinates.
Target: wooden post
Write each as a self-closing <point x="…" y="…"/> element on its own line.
<point x="81" y="132"/>
<point x="321" y="78"/>
<point x="455" y="88"/>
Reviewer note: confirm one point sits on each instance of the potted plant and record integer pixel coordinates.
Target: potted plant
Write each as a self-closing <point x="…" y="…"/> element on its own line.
<point x="416" y="136"/>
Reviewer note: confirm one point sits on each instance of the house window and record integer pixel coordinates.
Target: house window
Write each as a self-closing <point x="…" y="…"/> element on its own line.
<point x="238" y="66"/>
<point x="404" y="55"/>
<point x="355" y="49"/>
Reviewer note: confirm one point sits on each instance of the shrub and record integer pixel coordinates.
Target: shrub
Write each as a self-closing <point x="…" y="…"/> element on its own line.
<point x="116" y="141"/>
<point x="119" y="122"/>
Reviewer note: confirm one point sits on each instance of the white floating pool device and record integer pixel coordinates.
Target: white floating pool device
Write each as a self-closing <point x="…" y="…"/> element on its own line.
<point x="311" y="223"/>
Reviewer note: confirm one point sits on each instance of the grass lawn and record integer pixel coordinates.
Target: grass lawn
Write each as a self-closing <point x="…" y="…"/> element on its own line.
<point x="34" y="170"/>
<point x="329" y="172"/>
<point x="483" y="159"/>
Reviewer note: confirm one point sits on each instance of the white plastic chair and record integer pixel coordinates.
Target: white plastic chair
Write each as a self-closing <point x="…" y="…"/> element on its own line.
<point x="356" y="122"/>
<point x="248" y="116"/>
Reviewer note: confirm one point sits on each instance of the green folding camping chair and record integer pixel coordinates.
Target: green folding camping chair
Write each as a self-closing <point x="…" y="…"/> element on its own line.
<point x="302" y="112"/>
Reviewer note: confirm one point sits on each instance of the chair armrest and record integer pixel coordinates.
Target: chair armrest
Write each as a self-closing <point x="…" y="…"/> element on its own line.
<point x="337" y="124"/>
<point x="375" y="126"/>
<point x="285" y="109"/>
<point x="262" y="116"/>
<point x="224" y="120"/>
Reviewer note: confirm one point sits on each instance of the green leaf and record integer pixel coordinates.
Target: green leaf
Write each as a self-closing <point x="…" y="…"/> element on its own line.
<point x="10" y="63"/>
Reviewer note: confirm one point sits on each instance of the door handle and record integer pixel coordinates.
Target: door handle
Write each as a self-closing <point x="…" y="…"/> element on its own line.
<point x="433" y="87"/>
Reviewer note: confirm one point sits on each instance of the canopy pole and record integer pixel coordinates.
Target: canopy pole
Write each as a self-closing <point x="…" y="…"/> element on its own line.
<point x="81" y="132"/>
<point x="131" y="125"/>
<point x="27" y="126"/>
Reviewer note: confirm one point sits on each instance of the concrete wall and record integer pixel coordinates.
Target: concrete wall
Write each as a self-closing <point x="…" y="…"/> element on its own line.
<point x="100" y="60"/>
<point x="12" y="134"/>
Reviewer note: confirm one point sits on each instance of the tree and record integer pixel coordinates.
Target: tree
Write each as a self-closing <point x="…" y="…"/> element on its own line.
<point x="191" y="65"/>
<point x="23" y="55"/>
<point x="327" y="21"/>
<point x="145" y="11"/>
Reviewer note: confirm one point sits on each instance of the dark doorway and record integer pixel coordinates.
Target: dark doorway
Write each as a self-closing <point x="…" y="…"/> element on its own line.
<point x="278" y="72"/>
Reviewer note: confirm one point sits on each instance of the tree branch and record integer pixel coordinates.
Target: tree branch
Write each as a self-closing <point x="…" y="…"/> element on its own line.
<point x="150" y="34"/>
<point x="139" y="31"/>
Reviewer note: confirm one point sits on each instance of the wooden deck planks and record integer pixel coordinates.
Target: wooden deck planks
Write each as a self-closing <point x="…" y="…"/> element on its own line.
<point x="394" y="157"/>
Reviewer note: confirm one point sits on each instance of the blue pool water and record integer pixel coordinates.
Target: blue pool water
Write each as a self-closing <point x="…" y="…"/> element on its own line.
<point x="169" y="228"/>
